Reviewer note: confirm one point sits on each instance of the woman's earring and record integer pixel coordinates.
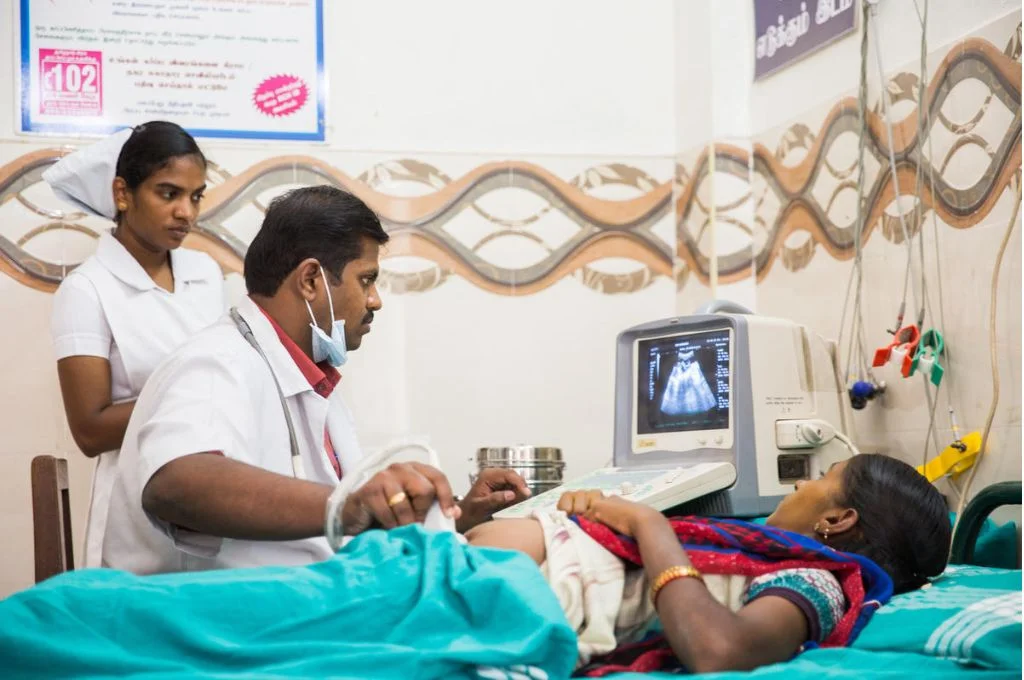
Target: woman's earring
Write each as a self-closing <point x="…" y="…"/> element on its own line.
<point x="122" y="207"/>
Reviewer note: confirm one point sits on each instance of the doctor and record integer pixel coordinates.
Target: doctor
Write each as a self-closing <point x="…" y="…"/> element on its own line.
<point x="205" y="479"/>
<point x="122" y="311"/>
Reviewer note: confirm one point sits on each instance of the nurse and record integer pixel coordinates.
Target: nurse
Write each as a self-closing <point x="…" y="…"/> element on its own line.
<point x="140" y="296"/>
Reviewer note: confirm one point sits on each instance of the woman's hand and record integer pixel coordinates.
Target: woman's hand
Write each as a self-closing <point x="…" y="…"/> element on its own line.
<point x="494" y="490"/>
<point x="625" y="517"/>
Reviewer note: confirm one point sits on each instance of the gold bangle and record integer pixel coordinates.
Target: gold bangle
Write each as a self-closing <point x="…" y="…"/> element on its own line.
<point x="671" y="574"/>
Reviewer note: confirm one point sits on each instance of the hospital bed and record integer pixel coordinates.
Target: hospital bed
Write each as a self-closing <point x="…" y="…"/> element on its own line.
<point x="411" y="603"/>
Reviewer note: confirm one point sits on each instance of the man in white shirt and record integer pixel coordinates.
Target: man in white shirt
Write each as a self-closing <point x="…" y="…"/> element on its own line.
<point x="205" y="477"/>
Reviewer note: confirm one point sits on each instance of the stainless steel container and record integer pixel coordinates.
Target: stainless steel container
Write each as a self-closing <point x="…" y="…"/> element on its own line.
<point x="540" y="466"/>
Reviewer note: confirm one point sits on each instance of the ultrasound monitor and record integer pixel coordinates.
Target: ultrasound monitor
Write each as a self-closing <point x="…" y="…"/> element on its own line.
<point x="707" y="411"/>
<point x="683" y="389"/>
<point x="714" y="388"/>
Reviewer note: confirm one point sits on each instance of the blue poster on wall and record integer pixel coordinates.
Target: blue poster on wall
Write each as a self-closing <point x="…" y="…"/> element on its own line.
<point x="786" y="30"/>
<point x="228" y="68"/>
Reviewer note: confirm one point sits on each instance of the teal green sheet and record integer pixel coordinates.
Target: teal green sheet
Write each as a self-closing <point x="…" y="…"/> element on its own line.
<point x="969" y="614"/>
<point x="414" y="604"/>
<point x="403" y="604"/>
<point x="996" y="545"/>
<point x="850" y="663"/>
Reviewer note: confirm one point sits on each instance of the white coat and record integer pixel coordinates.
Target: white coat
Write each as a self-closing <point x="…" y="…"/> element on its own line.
<point x="216" y="394"/>
<point x="109" y="307"/>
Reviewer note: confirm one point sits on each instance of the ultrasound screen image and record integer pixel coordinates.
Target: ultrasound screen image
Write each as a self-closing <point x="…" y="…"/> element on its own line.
<point x="683" y="383"/>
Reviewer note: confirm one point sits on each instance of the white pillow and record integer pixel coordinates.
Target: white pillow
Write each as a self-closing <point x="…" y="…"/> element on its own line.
<point x="85" y="178"/>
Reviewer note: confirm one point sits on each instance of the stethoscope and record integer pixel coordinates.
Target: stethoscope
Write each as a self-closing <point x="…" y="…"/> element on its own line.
<point x="243" y="328"/>
<point x="333" y="529"/>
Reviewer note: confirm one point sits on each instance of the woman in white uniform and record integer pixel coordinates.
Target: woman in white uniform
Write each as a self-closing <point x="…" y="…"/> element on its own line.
<point x="119" y="313"/>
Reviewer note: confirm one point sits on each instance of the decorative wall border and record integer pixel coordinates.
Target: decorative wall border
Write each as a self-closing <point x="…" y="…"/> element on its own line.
<point x="792" y="187"/>
<point x="605" y="228"/>
<point x="778" y="201"/>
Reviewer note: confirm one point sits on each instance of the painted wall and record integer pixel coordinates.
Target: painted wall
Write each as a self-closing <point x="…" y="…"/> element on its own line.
<point x="569" y="121"/>
<point x="560" y="118"/>
<point x="786" y="192"/>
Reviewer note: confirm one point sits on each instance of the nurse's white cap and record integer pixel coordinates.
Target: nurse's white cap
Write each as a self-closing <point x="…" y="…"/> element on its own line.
<point x="85" y="178"/>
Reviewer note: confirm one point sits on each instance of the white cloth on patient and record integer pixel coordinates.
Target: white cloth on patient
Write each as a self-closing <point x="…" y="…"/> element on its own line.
<point x="606" y="604"/>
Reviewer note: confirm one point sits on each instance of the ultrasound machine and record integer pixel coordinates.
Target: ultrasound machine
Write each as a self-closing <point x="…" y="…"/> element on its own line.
<point x="718" y="414"/>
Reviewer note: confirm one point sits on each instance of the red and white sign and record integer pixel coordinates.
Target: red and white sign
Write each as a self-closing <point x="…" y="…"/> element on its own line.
<point x="280" y="96"/>
<point x="70" y="82"/>
<point x="234" y="69"/>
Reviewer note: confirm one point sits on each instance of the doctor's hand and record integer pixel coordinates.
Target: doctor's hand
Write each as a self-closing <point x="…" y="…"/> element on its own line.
<point x="625" y="517"/>
<point x="400" y="494"/>
<point x="495" y="489"/>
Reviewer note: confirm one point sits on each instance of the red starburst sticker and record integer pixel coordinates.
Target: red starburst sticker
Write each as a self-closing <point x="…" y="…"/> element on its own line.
<point x="280" y="95"/>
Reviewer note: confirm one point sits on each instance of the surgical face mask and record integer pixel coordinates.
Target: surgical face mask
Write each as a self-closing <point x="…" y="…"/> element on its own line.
<point x="332" y="348"/>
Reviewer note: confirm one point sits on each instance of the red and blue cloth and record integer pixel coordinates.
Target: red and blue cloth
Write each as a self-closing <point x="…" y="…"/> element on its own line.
<point x="735" y="547"/>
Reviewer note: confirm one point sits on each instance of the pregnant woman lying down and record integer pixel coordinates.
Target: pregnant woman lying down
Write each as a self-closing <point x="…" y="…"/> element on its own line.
<point x="718" y="595"/>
